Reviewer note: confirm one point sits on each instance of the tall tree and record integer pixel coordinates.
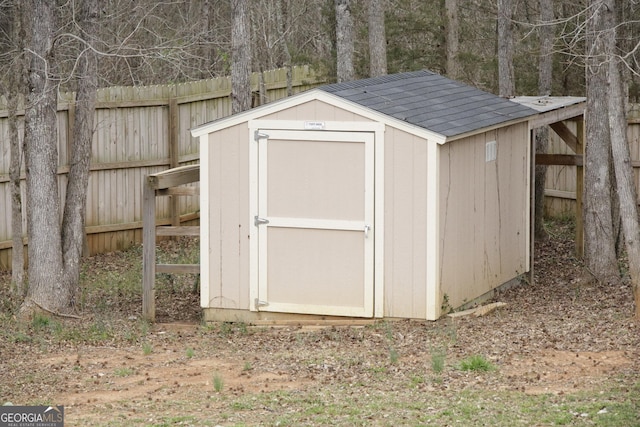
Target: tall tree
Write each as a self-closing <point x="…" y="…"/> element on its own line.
<point x="625" y="185"/>
<point x="452" y="38"/>
<point x="506" y="77"/>
<point x="14" y="87"/>
<point x="240" y="56"/>
<point x="344" y="40"/>
<point x="599" y="251"/>
<point x="54" y="247"/>
<point x="545" y="74"/>
<point x="78" y="178"/>
<point x="48" y="288"/>
<point x="377" y="39"/>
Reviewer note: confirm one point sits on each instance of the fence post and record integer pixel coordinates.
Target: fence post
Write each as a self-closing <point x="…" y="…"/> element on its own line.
<point x="148" y="250"/>
<point x="579" y="188"/>
<point x="174" y="155"/>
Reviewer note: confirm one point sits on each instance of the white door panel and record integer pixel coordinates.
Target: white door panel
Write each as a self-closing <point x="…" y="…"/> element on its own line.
<point x="315" y="222"/>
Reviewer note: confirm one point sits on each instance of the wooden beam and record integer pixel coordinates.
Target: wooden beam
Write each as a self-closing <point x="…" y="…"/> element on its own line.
<point x="559" y="194"/>
<point x="174" y="177"/>
<point x="566" y="113"/>
<point x="178" y="191"/>
<point x="186" y="230"/>
<point x="567" y="136"/>
<point x="559" y="159"/>
<point x="178" y="268"/>
<point x="148" y="251"/>
<point x="174" y="152"/>
<point x="580" y="131"/>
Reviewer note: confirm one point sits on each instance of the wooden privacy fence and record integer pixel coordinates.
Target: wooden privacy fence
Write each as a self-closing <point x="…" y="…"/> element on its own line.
<point x="139" y="131"/>
<point x="561" y="180"/>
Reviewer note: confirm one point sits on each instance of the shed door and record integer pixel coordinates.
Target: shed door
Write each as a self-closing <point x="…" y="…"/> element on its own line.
<point x="315" y="221"/>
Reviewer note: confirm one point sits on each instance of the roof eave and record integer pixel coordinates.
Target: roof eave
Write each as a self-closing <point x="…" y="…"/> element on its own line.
<point x="488" y="128"/>
<point x="320" y="95"/>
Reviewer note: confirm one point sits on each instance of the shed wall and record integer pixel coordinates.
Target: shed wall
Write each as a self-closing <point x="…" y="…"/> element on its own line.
<point x="483" y="208"/>
<point x="405" y="225"/>
<point x="228" y="258"/>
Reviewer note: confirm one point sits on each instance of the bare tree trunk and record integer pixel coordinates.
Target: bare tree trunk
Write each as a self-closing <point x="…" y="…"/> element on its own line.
<point x="47" y="288"/>
<point x="626" y="190"/>
<point x="16" y="85"/>
<point x="344" y="41"/>
<point x="506" y="78"/>
<point x="283" y="37"/>
<point x="17" y="253"/>
<point x="240" y="57"/>
<point x="599" y="254"/>
<point x="545" y="73"/>
<point x="377" y="39"/>
<point x="73" y="232"/>
<point x="452" y="39"/>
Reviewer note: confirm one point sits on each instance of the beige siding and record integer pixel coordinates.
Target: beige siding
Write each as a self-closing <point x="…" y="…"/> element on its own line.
<point x="316" y="111"/>
<point x="483" y="210"/>
<point x="405" y="225"/>
<point x="229" y="218"/>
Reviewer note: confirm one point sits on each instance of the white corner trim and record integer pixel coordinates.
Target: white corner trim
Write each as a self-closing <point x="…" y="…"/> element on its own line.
<point x="433" y="235"/>
<point x="204" y="221"/>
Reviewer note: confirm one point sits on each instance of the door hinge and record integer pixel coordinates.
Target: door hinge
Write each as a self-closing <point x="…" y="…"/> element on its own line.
<point x="261" y="303"/>
<point x="257" y="135"/>
<point x="258" y="221"/>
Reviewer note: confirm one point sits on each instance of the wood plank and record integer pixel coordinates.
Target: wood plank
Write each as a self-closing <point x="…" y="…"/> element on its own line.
<point x="185" y="230"/>
<point x="174" y="177"/>
<point x="179" y="191"/>
<point x="148" y="252"/>
<point x="567" y="136"/>
<point x="570" y="195"/>
<point x="579" y="237"/>
<point x="174" y="150"/>
<point x="566" y="113"/>
<point x="178" y="268"/>
<point x="559" y="159"/>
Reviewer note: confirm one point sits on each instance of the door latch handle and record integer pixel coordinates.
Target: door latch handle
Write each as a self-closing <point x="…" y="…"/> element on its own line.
<point x="367" y="227"/>
<point x="258" y="221"/>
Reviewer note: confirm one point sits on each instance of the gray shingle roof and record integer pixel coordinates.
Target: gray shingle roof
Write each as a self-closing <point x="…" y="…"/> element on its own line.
<point x="431" y="101"/>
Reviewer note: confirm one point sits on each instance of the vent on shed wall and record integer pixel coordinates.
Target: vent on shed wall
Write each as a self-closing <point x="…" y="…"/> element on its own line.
<point x="491" y="151"/>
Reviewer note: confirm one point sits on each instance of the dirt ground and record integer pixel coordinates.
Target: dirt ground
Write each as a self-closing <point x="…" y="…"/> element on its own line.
<point x="560" y="335"/>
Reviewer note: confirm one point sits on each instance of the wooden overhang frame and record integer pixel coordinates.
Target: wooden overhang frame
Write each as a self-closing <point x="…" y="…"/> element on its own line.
<point x="555" y="112"/>
<point x="166" y="183"/>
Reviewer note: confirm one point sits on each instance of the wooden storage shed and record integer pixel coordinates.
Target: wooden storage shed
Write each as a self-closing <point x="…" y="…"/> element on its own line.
<point x="390" y="197"/>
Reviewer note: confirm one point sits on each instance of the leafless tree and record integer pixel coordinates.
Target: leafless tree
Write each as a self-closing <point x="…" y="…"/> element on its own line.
<point x="377" y="39"/>
<point x="240" y="56"/>
<point x="344" y="40"/>
<point x="452" y="38"/>
<point x="546" y="32"/>
<point x="48" y="286"/>
<point x="14" y="85"/>
<point x="624" y="175"/>
<point x="599" y="251"/>
<point x="506" y="77"/>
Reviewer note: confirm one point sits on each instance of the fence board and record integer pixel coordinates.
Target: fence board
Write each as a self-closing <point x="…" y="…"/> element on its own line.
<point x="131" y="141"/>
<point x="560" y="185"/>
